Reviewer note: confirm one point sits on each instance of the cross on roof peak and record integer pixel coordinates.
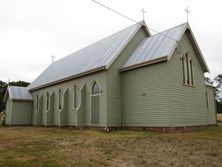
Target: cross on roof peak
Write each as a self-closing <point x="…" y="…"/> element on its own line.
<point x="143" y="11"/>
<point x="53" y="57"/>
<point x="187" y="12"/>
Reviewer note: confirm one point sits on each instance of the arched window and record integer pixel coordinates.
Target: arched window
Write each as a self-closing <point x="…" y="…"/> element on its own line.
<point x="47" y="100"/>
<point x="183" y="68"/>
<point x="95" y="88"/>
<point x="37" y="102"/>
<point x="60" y="98"/>
<point x="75" y="97"/>
<point x="191" y="72"/>
<point x="187" y="66"/>
<point x="188" y="69"/>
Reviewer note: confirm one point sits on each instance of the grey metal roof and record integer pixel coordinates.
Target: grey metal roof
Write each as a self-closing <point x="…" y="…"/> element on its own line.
<point x="156" y="46"/>
<point x="208" y="84"/>
<point x="19" y="93"/>
<point x="97" y="55"/>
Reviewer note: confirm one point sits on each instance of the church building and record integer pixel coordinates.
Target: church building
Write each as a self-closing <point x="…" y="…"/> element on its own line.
<point x="131" y="79"/>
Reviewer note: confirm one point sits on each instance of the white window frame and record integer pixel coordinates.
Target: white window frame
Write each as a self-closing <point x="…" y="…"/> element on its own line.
<point x="188" y="70"/>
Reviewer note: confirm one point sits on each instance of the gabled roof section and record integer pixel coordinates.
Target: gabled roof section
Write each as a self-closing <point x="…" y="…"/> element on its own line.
<point x="96" y="57"/>
<point x="18" y="93"/>
<point x="160" y="47"/>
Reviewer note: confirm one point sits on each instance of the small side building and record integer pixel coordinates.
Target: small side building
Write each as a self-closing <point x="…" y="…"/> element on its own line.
<point x="211" y="103"/>
<point x="18" y="106"/>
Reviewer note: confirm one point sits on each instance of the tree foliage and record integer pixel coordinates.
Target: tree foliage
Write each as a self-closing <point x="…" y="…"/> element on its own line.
<point x="218" y="91"/>
<point x="3" y="87"/>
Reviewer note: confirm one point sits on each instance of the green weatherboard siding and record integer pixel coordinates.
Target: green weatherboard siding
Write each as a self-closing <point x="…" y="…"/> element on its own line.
<point x="95" y="109"/>
<point x="83" y="113"/>
<point x="114" y="101"/>
<point x="155" y="95"/>
<point x="211" y="106"/>
<point x="19" y="113"/>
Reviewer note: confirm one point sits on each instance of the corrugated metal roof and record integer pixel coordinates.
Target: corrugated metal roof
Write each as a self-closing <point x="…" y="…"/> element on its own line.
<point x="156" y="46"/>
<point x="19" y="93"/>
<point x="99" y="54"/>
<point x="209" y="84"/>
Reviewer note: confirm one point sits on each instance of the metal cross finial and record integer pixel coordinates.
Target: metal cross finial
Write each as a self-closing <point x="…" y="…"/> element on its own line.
<point x="143" y="11"/>
<point x="188" y="12"/>
<point x="53" y="57"/>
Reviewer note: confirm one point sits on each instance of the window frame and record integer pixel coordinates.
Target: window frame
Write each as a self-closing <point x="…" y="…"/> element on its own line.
<point x="75" y="97"/>
<point x="47" y="101"/>
<point x="98" y="92"/>
<point x="37" y="102"/>
<point x="188" y="70"/>
<point x="60" y="99"/>
<point x="207" y="100"/>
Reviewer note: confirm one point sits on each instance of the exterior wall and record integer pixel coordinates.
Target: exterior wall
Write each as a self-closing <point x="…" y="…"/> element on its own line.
<point x="114" y="101"/>
<point x="49" y="114"/>
<point x="187" y="104"/>
<point x="8" y="112"/>
<point x="81" y="110"/>
<point x="21" y="113"/>
<point x="155" y="96"/>
<point x="145" y="97"/>
<point x="70" y="118"/>
<point x="211" y="108"/>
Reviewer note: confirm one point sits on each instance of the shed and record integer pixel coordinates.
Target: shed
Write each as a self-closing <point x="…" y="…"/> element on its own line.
<point x="211" y="102"/>
<point x="18" y="106"/>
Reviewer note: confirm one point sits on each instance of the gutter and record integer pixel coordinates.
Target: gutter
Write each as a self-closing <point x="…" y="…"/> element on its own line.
<point x="69" y="78"/>
<point x="22" y="100"/>
<point x="146" y="63"/>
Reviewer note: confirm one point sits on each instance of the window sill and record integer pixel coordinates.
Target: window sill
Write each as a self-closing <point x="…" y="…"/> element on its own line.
<point x="192" y="86"/>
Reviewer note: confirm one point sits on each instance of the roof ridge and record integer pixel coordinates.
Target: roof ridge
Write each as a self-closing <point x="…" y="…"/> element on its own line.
<point x="18" y="86"/>
<point x="185" y="24"/>
<point x="141" y="23"/>
<point x="101" y="53"/>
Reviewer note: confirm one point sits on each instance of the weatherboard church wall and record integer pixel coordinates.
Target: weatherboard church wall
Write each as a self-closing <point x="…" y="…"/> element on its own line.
<point x="114" y="86"/>
<point x="155" y="96"/>
<point x="71" y="119"/>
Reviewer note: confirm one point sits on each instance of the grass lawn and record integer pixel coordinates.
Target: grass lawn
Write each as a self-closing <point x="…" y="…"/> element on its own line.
<point x="30" y="146"/>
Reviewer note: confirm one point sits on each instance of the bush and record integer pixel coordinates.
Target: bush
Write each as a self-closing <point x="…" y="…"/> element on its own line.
<point x="219" y="107"/>
<point x="2" y="118"/>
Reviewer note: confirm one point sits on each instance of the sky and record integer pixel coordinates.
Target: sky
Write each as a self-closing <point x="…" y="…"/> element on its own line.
<point x="31" y="31"/>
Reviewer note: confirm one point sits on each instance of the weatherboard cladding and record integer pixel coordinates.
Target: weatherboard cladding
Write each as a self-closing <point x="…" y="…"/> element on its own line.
<point x="19" y="93"/>
<point x="169" y="103"/>
<point x="71" y="116"/>
<point x="98" y="55"/>
<point x="156" y="46"/>
<point x="114" y="86"/>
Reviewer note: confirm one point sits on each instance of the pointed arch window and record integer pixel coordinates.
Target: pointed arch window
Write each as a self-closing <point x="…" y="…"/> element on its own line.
<point x="191" y="72"/>
<point x="37" y="102"/>
<point x="75" y="97"/>
<point x="187" y="67"/>
<point x="47" y="100"/>
<point x="207" y="99"/>
<point x="96" y="88"/>
<point x="60" y="99"/>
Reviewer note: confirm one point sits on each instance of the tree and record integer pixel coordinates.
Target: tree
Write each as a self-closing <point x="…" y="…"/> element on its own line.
<point x="218" y="91"/>
<point x="19" y="83"/>
<point x="3" y="87"/>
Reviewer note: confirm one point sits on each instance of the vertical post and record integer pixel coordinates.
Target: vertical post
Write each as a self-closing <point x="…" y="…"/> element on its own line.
<point x="143" y="11"/>
<point x="187" y="12"/>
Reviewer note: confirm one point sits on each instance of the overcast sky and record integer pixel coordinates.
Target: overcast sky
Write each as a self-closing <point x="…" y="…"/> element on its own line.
<point x="31" y="31"/>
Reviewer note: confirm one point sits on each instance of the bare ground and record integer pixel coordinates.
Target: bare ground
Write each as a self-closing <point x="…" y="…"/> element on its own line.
<point x="28" y="146"/>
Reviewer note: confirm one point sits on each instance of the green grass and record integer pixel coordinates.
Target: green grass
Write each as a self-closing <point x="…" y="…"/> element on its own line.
<point x="30" y="146"/>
